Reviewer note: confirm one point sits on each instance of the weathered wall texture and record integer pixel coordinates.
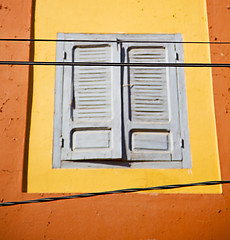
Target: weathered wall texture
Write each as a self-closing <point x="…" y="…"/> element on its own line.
<point x="126" y="216"/>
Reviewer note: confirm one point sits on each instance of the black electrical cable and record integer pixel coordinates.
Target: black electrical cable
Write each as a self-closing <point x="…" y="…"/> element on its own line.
<point x="128" y="190"/>
<point x="115" y="64"/>
<point x="116" y="41"/>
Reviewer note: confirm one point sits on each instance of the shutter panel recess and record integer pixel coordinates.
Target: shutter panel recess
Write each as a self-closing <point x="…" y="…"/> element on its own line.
<point x="94" y="129"/>
<point x="92" y="85"/>
<point x="149" y="98"/>
<point x="152" y="126"/>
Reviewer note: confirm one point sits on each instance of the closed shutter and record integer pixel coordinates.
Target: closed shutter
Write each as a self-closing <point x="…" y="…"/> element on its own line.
<point x="152" y="125"/>
<point x="92" y="119"/>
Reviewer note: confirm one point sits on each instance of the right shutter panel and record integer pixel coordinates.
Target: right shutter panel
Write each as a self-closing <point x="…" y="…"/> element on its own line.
<point x="94" y="129"/>
<point x="152" y="125"/>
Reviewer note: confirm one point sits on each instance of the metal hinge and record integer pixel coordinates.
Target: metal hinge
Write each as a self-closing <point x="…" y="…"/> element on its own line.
<point x="64" y="55"/>
<point x="177" y="56"/>
<point x="182" y="143"/>
<point x="61" y="142"/>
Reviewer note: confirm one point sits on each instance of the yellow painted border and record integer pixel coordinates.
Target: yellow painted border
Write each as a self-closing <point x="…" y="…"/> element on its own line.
<point x="119" y="16"/>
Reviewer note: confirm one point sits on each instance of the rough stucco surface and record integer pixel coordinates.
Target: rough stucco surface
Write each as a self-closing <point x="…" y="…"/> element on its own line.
<point x="127" y="216"/>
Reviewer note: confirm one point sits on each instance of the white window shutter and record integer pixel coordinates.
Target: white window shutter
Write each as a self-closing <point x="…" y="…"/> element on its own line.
<point x="152" y="124"/>
<point x="91" y="121"/>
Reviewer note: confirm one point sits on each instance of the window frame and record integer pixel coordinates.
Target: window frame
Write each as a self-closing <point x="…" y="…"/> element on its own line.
<point x="182" y="102"/>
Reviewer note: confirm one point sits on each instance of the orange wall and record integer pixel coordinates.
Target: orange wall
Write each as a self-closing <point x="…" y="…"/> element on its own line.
<point x="121" y="216"/>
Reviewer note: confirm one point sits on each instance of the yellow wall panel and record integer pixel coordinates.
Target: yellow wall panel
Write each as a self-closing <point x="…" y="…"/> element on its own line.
<point x="123" y="16"/>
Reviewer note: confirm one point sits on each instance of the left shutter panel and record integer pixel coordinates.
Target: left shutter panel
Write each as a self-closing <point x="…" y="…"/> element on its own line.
<point x="91" y="120"/>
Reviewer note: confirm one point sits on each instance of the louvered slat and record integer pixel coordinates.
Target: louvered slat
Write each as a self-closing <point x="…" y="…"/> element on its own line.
<point x="92" y="83"/>
<point x="149" y="101"/>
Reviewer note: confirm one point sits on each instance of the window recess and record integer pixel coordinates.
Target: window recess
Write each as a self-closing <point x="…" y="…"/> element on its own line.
<point x="115" y="116"/>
